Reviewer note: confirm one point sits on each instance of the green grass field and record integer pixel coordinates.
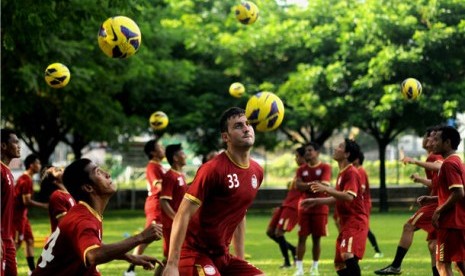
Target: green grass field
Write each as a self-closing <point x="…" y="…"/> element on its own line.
<point x="264" y="253"/>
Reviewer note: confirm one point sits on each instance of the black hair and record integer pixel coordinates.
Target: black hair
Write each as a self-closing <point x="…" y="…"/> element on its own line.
<point x="170" y="151"/>
<point x="450" y="133"/>
<point x="5" y="134"/>
<point x="352" y="148"/>
<point x="149" y="147"/>
<point x="47" y="185"/>
<point x="30" y="159"/>
<point x="75" y="176"/>
<point x="314" y="145"/>
<point x="300" y="151"/>
<point x="229" y="113"/>
<point x="361" y="158"/>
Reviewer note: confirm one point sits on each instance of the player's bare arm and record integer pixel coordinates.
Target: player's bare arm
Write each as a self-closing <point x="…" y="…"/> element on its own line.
<point x="117" y="250"/>
<point x="456" y="195"/>
<point x="301" y="185"/>
<point x="322" y="188"/>
<point x="178" y="233"/>
<point x="432" y="166"/>
<point x="425" y="200"/>
<point x="418" y="179"/>
<point x="28" y="201"/>
<point x="166" y="207"/>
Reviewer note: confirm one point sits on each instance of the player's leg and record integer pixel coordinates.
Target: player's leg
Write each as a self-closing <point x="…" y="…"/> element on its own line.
<point x="374" y="244"/>
<point x="231" y="266"/>
<point x="29" y="248"/>
<point x="432" y="251"/>
<point x="303" y="233"/>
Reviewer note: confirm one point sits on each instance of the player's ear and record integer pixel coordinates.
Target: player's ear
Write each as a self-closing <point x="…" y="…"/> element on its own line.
<point x="224" y="137"/>
<point x="87" y="188"/>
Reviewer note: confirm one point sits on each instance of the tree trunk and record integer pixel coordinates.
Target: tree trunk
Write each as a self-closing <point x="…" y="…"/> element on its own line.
<point x="383" y="196"/>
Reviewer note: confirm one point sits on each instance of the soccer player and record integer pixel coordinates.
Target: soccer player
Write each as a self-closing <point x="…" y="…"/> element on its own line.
<point x="212" y="213"/>
<point x="76" y="248"/>
<point x="358" y="163"/>
<point x="10" y="148"/>
<point x="285" y="216"/>
<point x="173" y="189"/>
<point x="449" y="217"/>
<point x="23" y="200"/>
<point x="154" y="174"/>
<point x="350" y="208"/>
<point x="422" y="217"/>
<point x="312" y="221"/>
<point x="53" y="190"/>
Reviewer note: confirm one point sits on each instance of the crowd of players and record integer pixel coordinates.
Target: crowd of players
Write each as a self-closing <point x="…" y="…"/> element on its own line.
<point x="199" y="222"/>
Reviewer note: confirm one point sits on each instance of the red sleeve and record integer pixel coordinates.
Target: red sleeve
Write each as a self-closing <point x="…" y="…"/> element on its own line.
<point x="453" y="174"/>
<point x="326" y="173"/>
<point x="87" y="237"/>
<point x="167" y="186"/>
<point x="199" y="188"/>
<point x="154" y="174"/>
<point x="351" y="182"/>
<point x="24" y="185"/>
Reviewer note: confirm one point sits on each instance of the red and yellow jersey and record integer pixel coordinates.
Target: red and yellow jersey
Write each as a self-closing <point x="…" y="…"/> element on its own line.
<point x="154" y="175"/>
<point x="65" y="252"/>
<point x="8" y="194"/>
<point x="223" y="190"/>
<point x="451" y="175"/>
<point x="23" y="188"/>
<point x="59" y="204"/>
<point x="292" y="197"/>
<point x="433" y="158"/>
<point x="173" y="189"/>
<point x="365" y="184"/>
<point x="319" y="172"/>
<point x="351" y="213"/>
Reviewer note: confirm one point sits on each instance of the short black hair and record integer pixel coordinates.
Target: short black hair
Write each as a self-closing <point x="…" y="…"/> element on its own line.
<point x="5" y="134"/>
<point x="450" y="133"/>
<point x="229" y="113"/>
<point x="170" y="151"/>
<point x="149" y="147"/>
<point x="352" y="148"/>
<point x="314" y="145"/>
<point x="300" y="151"/>
<point x="75" y="176"/>
<point x="47" y="187"/>
<point x="31" y="158"/>
<point x="361" y="158"/>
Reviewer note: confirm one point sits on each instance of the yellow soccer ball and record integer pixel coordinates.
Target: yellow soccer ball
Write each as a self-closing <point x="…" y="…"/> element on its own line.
<point x="247" y="12"/>
<point x="57" y="75"/>
<point x="119" y="37"/>
<point x="236" y="90"/>
<point x="411" y="89"/>
<point x="158" y="120"/>
<point x="265" y="111"/>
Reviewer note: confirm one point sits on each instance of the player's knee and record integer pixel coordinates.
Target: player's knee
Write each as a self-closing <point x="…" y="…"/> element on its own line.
<point x="409" y="227"/>
<point x="270" y="233"/>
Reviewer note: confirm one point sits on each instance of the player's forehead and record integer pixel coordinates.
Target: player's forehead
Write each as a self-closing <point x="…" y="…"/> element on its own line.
<point x="237" y="119"/>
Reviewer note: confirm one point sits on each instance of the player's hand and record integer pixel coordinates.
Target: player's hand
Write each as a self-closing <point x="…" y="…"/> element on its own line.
<point x="170" y="270"/>
<point x="308" y="203"/>
<point x="154" y="232"/>
<point x="408" y="160"/>
<point x="147" y="262"/>
<point x="317" y="187"/>
<point x="435" y="219"/>
<point x="415" y="177"/>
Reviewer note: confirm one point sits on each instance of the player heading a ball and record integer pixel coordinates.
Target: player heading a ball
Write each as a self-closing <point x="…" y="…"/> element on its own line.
<point x="265" y="111"/>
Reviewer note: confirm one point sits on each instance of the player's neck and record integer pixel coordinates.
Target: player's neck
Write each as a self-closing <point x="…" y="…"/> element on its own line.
<point x="343" y="164"/>
<point x="314" y="162"/>
<point x="29" y="172"/>
<point x="448" y="153"/>
<point x="6" y="160"/>
<point x="177" y="168"/>
<point x="241" y="158"/>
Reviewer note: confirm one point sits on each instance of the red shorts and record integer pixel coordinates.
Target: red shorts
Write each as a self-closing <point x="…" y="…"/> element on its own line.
<point x="351" y="240"/>
<point x="152" y="211"/>
<point x="23" y="231"/>
<point x="422" y="219"/>
<point x="451" y="245"/>
<point x="284" y="218"/>
<point x="314" y="224"/>
<point x="195" y="263"/>
<point x="8" y="261"/>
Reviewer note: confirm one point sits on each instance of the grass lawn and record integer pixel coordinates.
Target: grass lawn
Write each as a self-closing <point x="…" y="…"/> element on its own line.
<point x="264" y="253"/>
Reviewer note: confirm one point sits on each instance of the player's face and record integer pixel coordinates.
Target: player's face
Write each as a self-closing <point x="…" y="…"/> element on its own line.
<point x="11" y="148"/>
<point x="36" y="166"/>
<point x="56" y="172"/>
<point x="310" y="153"/>
<point x="437" y="143"/>
<point x="240" y="132"/>
<point x="181" y="157"/>
<point x="339" y="152"/>
<point x="103" y="183"/>
<point x="159" y="151"/>
<point x="429" y="141"/>
<point x="299" y="159"/>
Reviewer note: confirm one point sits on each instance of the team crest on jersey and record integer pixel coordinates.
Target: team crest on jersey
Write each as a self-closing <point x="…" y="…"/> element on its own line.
<point x="318" y="172"/>
<point x="209" y="270"/>
<point x="254" y="182"/>
<point x="305" y="173"/>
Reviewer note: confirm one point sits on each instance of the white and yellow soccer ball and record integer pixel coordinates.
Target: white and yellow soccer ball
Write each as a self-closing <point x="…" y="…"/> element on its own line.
<point x="119" y="37"/>
<point x="158" y="120"/>
<point x="236" y="90"/>
<point x="265" y="111"/>
<point x="247" y="12"/>
<point x="57" y="75"/>
<point x="411" y="89"/>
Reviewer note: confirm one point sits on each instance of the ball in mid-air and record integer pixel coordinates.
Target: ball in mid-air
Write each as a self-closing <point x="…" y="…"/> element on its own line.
<point x="158" y="120"/>
<point x="265" y="111"/>
<point x="247" y="12"/>
<point x="411" y="89"/>
<point x="236" y="90"/>
<point x="57" y="75"/>
<point x="119" y="37"/>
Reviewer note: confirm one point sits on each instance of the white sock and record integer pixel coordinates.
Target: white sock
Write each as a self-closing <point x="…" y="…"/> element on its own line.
<point x="315" y="264"/>
<point x="299" y="265"/>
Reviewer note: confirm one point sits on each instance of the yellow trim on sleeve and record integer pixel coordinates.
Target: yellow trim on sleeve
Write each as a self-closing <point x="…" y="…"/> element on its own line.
<point x="166" y="197"/>
<point x="456" y="186"/>
<point x="193" y="199"/>
<point x="61" y="215"/>
<point x="87" y="250"/>
<point x="351" y="193"/>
